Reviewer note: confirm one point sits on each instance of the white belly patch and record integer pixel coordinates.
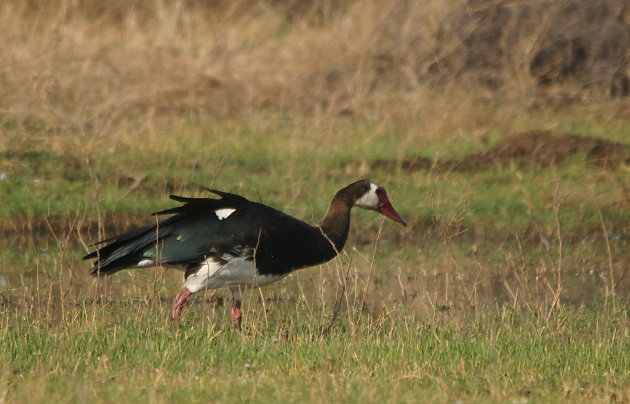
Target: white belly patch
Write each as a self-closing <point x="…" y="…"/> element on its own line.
<point x="237" y="271"/>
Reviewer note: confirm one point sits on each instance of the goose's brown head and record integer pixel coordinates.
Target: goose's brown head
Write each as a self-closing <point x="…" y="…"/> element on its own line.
<point x="367" y="195"/>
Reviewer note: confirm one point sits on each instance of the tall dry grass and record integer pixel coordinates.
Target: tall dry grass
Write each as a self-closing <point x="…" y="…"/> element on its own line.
<point x="87" y="64"/>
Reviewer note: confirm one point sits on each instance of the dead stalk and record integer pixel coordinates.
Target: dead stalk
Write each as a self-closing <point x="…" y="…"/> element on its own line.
<point x="611" y="278"/>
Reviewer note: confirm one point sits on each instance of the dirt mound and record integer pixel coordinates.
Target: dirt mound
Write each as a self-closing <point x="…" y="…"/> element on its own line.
<point x="535" y="147"/>
<point x="546" y="148"/>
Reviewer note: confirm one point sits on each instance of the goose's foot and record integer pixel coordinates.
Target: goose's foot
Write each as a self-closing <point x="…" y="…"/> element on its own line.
<point x="179" y="302"/>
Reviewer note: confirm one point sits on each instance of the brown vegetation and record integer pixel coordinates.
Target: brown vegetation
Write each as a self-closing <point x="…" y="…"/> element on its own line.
<point x="87" y="64"/>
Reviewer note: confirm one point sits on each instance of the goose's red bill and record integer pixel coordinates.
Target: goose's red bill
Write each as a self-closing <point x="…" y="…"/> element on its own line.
<point x="386" y="208"/>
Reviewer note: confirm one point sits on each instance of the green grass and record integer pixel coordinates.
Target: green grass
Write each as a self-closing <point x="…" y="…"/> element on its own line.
<point x="298" y="169"/>
<point x="509" y="285"/>
<point x="581" y="355"/>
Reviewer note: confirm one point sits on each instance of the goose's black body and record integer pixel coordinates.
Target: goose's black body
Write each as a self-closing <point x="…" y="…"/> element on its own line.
<point x="216" y="240"/>
<point x="195" y="233"/>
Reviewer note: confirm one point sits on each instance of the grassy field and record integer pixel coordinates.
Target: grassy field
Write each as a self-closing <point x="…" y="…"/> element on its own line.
<point x="510" y="284"/>
<point x="104" y="354"/>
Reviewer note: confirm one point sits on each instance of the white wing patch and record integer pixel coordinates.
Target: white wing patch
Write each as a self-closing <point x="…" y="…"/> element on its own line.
<point x="224" y="213"/>
<point x="147" y="262"/>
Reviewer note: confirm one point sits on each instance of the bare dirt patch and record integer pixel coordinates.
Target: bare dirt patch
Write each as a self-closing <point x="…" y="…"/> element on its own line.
<point x="546" y="148"/>
<point x="538" y="147"/>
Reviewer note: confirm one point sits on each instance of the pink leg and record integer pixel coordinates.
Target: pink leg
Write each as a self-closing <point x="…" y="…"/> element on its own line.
<point x="179" y="302"/>
<point x="237" y="316"/>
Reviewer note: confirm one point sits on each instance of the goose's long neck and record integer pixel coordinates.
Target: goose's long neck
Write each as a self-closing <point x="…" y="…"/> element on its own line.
<point x="336" y="223"/>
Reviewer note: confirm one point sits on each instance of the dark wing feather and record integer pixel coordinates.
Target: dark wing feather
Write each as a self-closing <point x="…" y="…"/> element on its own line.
<point x="185" y="237"/>
<point x="236" y="199"/>
<point x="120" y="237"/>
<point x="204" y="204"/>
